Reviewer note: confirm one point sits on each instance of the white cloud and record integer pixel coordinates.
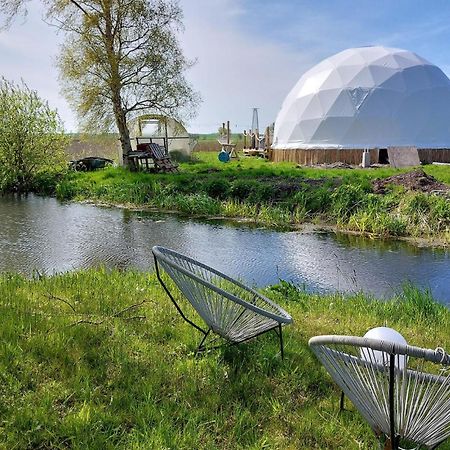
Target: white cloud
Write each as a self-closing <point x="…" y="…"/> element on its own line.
<point x="240" y="65"/>
<point x="27" y="51"/>
<point x="236" y="71"/>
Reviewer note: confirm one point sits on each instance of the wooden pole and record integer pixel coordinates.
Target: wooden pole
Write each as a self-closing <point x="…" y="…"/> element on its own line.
<point x="228" y="131"/>
<point x="166" y="143"/>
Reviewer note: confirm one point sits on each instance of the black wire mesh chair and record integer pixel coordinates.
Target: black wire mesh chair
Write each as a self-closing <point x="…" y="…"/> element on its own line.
<point x="402" y="391"/>
<point x="230" y="309"/>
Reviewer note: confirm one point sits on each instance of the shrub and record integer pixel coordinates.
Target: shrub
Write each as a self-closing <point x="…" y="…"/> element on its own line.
<point x="45" y="182"/>
<point x="31" y="137"/>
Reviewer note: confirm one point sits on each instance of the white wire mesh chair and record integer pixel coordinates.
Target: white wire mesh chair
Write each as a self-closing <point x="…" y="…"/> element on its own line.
<point x="229" y="308"/>
<point x="402" y="391"/>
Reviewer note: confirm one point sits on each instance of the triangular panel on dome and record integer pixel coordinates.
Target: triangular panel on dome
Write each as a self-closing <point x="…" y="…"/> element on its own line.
<point x="327" y="97"/>
<point x="296" y="107"/>
<point x="406" y="59"/>
<point x="358" y="135"/>
<point x="381" y="103"/>
<point x="396" y="82"/>
<point x="435" y="125"/>
<point x="306" y="128"/>
<point x="334" y="81"/>
<point x="339" y="58"/>
<point x="354" y="59"/>
<point x="347" y="73"/>
<point x="343" y="106"/>
<point x="387" y="61"/>
<point x="313" y="109"/>
<point x="331" y="131"/>
<point x="437" y="77"/>
<point x="312" y="84"/>
<point x="363" y="78"/>
<point x="416" y="78"/>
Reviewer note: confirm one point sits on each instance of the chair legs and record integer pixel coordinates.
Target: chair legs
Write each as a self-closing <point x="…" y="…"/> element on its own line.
<point x="341" y="402"/>
<point x="279" y="332"/>
<point x="200" y="347"/>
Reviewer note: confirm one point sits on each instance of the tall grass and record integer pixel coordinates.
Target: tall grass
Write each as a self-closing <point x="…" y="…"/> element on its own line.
<point x="98" y="359"/>
<point x="273" y="194"/>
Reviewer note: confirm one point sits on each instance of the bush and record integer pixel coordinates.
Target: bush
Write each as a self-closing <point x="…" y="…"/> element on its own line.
<point x="46" y="182"/>
<point x="31" y="137"/>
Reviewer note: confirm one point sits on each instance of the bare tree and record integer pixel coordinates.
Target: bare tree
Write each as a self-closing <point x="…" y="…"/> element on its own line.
<point x="120" y="58"/>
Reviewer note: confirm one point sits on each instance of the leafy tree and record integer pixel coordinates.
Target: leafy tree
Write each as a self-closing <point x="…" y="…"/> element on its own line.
<point x="121" y="58"/>
<point x="31" y="136"/>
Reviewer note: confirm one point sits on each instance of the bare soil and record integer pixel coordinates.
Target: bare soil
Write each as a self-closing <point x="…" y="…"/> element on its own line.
<point x="417" y="180"/>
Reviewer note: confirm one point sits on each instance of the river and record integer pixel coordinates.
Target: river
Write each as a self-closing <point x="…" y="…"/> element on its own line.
<point x="44" y="235"/>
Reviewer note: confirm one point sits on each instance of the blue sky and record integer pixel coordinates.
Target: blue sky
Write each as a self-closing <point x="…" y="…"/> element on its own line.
<point x="250" y="52"/>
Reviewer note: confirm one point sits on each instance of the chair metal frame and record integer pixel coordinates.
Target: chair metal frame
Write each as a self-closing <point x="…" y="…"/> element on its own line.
<point x="282" y="318"/>
<point x="399" y="381"/>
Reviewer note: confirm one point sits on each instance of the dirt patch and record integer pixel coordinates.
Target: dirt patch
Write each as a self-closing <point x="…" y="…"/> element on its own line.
<point x="417" y="180"/>
<point x="293" y="185"/>
<point x="335" y="165"/>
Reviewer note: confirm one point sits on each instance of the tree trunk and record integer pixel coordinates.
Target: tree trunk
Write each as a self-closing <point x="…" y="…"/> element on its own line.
<point x="124" y="134"/>
<point x="115" y="85"/>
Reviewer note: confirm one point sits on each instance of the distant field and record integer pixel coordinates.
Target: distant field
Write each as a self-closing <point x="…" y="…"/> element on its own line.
<point x="106" y="146"/>
<point x="209" y="142"/>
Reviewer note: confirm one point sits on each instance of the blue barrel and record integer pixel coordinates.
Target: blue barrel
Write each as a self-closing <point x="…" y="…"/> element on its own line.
<point x="224" y="156"/>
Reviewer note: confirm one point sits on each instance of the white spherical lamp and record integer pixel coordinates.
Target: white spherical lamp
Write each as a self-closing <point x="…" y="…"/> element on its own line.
<point x="387" y="335"/>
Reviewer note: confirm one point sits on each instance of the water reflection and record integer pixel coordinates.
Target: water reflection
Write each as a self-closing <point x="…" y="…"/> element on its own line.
<point x="42" y="234"/>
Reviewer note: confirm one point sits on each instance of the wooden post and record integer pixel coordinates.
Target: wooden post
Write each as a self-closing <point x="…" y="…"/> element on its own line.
<point x="228" y="131"/>
<point x="245" y="139"/>
<point x="267" y="142"/>
<point x="166" y="142"/>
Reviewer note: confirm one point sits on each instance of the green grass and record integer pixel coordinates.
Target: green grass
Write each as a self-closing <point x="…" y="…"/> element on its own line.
<point x="275" y="194"/>
<point x="81" y="367"/>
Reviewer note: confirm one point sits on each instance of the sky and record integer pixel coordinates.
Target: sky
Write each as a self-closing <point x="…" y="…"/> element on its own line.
<point x="249" y="53"/>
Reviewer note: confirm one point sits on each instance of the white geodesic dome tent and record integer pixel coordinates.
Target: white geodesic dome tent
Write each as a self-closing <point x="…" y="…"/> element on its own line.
<point x="368" y="97"/>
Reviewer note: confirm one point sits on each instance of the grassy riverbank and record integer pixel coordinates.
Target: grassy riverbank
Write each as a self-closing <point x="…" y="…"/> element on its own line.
<point x="274" y="194"/>
<point x="99" y="360"/>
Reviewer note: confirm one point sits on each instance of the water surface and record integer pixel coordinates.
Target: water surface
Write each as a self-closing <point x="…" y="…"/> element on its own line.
<point x="43" y="234"/>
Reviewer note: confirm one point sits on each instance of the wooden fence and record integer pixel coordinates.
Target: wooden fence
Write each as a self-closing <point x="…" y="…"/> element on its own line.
<point x="429" y="155"/>
<point x="349" y="156"/>
<point x="321" y="156"/>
